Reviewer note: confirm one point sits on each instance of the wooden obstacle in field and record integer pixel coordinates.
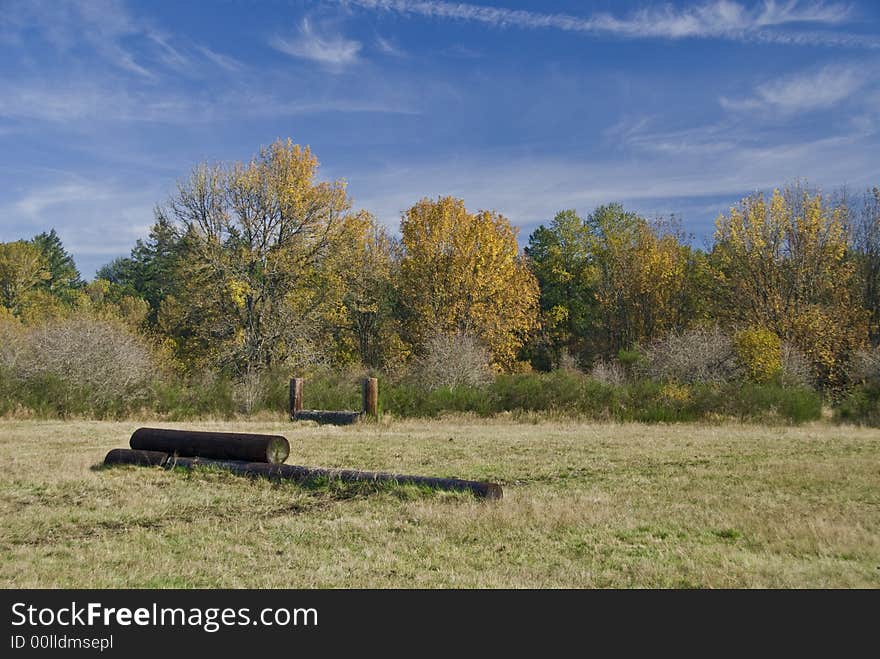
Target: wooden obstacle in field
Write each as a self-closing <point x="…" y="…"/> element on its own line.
<point x="297" y="474"/>
<point x="369" y="405"/>
<point x="261" y="456"/>
<point x="273" y="449"/>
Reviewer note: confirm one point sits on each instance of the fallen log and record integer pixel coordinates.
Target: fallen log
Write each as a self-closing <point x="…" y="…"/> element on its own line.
<point x="306" y="474"/>
<point x="124" y="456"/>
<point x="216" y="445"/>
<point x="334" y="417"/>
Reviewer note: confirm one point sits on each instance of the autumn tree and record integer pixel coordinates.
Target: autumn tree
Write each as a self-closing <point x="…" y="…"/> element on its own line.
<point x="257" y="240"/>
<point x="782" y="265"/>
<point x="23" y="270"/>
<point x="462" y="272"/>
<point x="367" y="329"/>
<point x="613" y="280"/>
<point x="645" y="278"/>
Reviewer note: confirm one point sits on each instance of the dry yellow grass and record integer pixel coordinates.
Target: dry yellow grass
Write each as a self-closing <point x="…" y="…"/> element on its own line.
<point x="586" y="505"/>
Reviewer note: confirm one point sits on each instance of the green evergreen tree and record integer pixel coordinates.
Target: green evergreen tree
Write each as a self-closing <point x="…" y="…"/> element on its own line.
<point x="64" y="278"/>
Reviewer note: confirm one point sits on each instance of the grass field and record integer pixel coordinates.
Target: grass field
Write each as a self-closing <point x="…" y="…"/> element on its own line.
<point x="586" y="505"/>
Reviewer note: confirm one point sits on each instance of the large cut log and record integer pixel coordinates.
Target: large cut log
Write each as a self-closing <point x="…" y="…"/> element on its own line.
<point x="334" y="417"/>
<point x="306" y="474"/>
<point x="216" y="445"/>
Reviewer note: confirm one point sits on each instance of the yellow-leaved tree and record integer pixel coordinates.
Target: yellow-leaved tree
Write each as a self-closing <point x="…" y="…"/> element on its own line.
<point x="368" y="327"/>
<point x="257" y="278"/>
<point x="644" y="279"/>
<point x="783" y="265"/>
<point x="462" y="272"/>
<point x="22" y="269"/>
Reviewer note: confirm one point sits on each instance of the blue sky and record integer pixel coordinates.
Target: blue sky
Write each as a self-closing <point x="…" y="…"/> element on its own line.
<point x="523" y="107"/>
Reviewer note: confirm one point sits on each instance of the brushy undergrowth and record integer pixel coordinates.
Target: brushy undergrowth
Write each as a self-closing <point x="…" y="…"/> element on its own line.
<point x="567" y="393"/>
<point x="860" y="406"/>
<point x="559" y="393"/>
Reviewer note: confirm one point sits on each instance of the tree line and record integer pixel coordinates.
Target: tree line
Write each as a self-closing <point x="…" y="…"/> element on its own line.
<point x="259" y="266"/>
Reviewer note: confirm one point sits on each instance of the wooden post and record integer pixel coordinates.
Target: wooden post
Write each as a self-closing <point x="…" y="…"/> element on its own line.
<point x="371" y="397"/>
<point x="296" y="396"/>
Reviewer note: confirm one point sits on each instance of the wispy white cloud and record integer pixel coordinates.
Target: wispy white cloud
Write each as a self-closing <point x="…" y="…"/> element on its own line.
<point x="726" y="19"/>
<point x="111" y="32"/>
<point x="657" y="171"/>
<point x="331" y="50"/>
<point x="223" y="61"/>
<point x="719" y="18"/>
<point x="388" y="47"/>
<point x="78" y="100"/>
<point x="106" y="25"/>
<point x="462" y="51"/>
<point x="813" y="38"/>
<point x="97" y="218"/>
<point x="69" y="102"/>
<point x="35" y="202"/>
<point x="803" y="92"/>
<point x="272" y="106"/>
<point x="168" y="54"/>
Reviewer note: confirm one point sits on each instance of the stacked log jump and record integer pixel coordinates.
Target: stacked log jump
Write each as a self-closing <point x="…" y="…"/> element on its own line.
<point x="260" y="456"/>
<point x="369" y="407"/>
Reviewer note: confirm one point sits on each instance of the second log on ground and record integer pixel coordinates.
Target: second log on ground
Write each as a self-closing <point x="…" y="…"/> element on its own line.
<point x="272" y="449"/>
<point x="299" y="474"/>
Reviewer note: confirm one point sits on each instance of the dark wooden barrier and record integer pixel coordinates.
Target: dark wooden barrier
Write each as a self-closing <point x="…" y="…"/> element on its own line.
<point x="335" y="417"/>
<point x="306" y="474"/>
<point x="217" y="445"/>
<point x="369" y="398"/>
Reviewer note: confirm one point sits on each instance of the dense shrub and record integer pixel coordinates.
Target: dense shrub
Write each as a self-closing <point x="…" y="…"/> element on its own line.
<point x="333" y="390"/>
<point x="698" y="355"/>
<point x="12" y="340"/>
<point x="860" y="405"/>
<point x="608" y="372"/>
<point x="794" y="368"/>
<point x="865" y="367"/>
<point x="763" y="402"/>
<point x="83" y="365"/>
<point x="260" y="390"/>
<point x="205" y="395"/>
<point x="453" y="360"/>
<point x="93" y="367"/>
<point x="568" y="393"/>
<point x="759" y="352"/>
